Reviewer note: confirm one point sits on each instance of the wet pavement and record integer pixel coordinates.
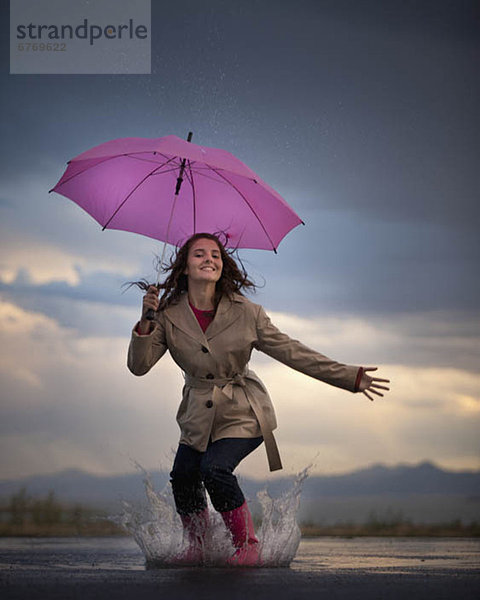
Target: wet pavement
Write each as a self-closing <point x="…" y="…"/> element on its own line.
<point x="329" y="568"/>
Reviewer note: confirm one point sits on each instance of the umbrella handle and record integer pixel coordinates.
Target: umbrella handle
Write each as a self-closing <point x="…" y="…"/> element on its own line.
<point x="150" y="314"/>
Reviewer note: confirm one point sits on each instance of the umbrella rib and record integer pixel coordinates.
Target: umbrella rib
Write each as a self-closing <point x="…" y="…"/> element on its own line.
<point x="248" y="204"/>
<point x="111" y="158"/>
<point x="87" y="168"/>
<point x="165" y="156"/>
<point x="209" y="176"/>
<point x="152" y="161"/>
<point x="128" y="196"/>
<point x="172" y="170"/>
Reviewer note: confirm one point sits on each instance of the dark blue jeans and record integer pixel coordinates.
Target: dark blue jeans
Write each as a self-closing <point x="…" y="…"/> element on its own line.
<point x="195" y="471"/>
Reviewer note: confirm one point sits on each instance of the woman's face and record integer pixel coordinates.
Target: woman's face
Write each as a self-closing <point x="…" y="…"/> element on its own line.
<point x="204" y="261"/>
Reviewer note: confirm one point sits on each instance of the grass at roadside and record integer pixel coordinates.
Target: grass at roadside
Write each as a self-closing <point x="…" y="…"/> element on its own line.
<point x="404" y="529"/>
<point x="99" y="527"/>
<point x="22" y="515"/>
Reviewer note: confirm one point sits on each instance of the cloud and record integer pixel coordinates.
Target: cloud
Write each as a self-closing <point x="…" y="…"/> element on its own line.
<point x="365" y="124"/>
<point x="349" y="257"/>
<point x="96" y="305"/>
<point x="51" y="237"/>
<point x="69" y="401"/>
<point x="436" y="339"/>
<point x="424" y="416"/>
<point x="342" y="262"/>
<point x="25" y="263"/>
<point x="98" y="286"/>
<point x="373" y="271"/>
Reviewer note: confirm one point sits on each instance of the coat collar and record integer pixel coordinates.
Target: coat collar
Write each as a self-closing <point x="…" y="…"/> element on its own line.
<point x="182" y="316"/>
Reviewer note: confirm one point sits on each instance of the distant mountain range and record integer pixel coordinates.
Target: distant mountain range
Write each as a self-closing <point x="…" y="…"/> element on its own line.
<point x="420" y="492"/>
<point x="424" y="478"/>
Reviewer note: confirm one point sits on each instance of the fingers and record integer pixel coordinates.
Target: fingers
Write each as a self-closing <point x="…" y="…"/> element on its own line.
<point x="150" y="300"/>
<point x="380" y="387"/>
<point x="374" y="390"/>
<point x="151" y="296"/>
<point x="367" y="395"/>
<point x="373" y="386"/>
<point x="150" y="303"/>
<point x="375" y="378"/>
<point x="152" y="292"/>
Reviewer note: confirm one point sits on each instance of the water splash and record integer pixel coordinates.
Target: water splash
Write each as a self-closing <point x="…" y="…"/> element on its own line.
<point x="158" y="531"/>
<point x="279" y="535"/>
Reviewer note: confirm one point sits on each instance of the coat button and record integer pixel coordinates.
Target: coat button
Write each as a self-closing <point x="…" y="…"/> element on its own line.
<point x="209" y="404"/>
<point x="204" y="349"/>
<point x="210" y="376"/>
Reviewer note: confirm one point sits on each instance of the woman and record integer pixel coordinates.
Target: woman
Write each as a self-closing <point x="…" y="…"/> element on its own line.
<point x="210" y="329"/>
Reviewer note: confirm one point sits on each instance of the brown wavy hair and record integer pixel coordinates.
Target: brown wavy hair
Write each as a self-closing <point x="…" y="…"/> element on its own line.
<point x="233" y="279"/>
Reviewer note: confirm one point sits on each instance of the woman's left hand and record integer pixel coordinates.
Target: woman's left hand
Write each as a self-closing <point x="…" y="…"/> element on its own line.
<point x="370" y="384"/>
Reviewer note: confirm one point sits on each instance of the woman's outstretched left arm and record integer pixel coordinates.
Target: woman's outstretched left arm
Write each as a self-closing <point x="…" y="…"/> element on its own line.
<point x="296" y="355"/>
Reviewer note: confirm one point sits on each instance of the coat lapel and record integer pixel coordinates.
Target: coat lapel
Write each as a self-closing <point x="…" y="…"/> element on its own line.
<point x="182" y="316"/>
<point x="228" y="311"/>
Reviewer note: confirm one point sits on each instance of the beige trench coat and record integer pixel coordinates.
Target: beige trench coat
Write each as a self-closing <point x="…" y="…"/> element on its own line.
<point x="221" y="396"/>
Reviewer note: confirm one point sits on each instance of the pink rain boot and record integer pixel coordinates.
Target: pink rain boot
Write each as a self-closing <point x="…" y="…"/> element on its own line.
<point x="195" y="527"/>
<point x="239" y="523"/>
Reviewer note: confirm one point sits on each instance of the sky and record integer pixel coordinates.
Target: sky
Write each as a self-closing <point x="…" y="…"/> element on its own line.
<point x="364" y="117"/>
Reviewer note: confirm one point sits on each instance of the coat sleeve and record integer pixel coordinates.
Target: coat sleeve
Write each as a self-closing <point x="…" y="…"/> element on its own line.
<point x="296" y="355"/>
<point x="145" y="350"/>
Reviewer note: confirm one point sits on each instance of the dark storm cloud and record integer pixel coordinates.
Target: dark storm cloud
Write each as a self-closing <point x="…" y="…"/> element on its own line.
<point x="354" y="264"/>
<point x="371" y="106"/>
<point x="363" y="115"/>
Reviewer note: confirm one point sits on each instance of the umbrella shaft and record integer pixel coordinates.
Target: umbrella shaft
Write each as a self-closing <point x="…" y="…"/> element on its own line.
<point x="168" y="233"/>
<point x="180" y="177"/>
<point x="177" y="190"/>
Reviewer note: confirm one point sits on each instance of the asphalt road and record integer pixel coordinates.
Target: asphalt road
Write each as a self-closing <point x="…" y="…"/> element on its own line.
<point x="330" y="568"/>
<point x="245" y="584"/>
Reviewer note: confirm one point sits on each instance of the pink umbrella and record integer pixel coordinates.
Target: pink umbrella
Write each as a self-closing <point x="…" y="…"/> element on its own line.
<point x="135" y="184"/>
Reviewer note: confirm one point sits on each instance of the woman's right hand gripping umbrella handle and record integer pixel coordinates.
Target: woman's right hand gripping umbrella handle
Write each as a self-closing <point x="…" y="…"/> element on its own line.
<point x="149" y="307"/>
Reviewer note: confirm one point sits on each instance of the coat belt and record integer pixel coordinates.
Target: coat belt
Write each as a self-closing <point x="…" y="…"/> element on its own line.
<point x="224" y="385"/>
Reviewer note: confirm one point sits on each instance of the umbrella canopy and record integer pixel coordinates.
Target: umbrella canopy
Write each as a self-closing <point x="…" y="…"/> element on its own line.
<point x="130" y="183"/>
